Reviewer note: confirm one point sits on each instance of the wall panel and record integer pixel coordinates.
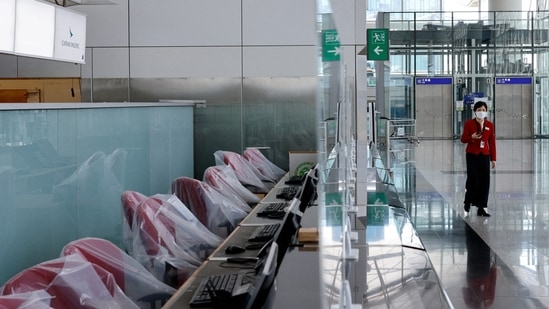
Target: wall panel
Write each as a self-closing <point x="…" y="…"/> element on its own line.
<point x="8" y="66"/>
<point x="185" y="23"/>
<point x="513" y="111"/>
<point x="107" y="25"/>
<point x="279" y="22"/>
<point x="434" y="108"/>
<point x="174" y="62"/>
<point x="32" y="67"/>
<point x="110" y="63"/>
<point x="274" y="61"/>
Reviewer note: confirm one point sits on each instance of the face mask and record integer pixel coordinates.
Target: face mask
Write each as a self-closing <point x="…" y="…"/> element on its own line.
<point x="481" y="115"/>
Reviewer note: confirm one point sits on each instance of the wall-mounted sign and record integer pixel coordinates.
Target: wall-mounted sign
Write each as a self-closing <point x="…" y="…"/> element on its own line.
<point x="433" y="80"/>
<point x="513" y="80"/>
<point x="377" y="44"/>
<point x="331" y="46"/>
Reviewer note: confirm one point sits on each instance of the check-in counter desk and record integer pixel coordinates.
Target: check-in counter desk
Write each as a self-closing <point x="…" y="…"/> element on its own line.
<point x="217" y="261"/>
<point x="391" y="268"/>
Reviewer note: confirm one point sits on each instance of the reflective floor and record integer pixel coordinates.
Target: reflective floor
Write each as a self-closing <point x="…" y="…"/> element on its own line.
<point x="498" y="262"/>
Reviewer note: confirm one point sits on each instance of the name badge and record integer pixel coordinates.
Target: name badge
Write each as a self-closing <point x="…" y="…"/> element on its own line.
<point x="481" y="144"/>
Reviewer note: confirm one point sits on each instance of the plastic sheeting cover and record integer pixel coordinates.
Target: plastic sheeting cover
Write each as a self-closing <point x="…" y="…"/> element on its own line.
<point x="72" y="282"/>
<point x="169" y="240"/>
<point x="222" y="178"/>
<point x="135" y="281"/>
<point x="216" y="212"/>
<point x="264" y="165"/>
<point x="247" y="174"/>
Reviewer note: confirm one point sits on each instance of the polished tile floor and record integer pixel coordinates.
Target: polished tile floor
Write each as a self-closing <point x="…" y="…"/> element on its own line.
<point x="497" y="262"/>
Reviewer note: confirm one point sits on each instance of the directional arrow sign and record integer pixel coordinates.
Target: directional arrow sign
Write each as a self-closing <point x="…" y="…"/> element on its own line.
<point x="331" y="47"/>
<point x="378" y="44"/>
<point x="378" y="50"/>
<point x="336" y="51"/>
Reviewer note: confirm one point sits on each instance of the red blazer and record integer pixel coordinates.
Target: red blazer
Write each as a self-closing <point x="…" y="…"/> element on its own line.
<point x="488" y="137"/>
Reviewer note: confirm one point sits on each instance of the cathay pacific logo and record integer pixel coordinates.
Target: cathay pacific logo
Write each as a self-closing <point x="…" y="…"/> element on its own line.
<point x="70" y="44"/>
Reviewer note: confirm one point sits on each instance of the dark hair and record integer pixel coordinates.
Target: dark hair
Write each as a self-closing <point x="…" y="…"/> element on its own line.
<point x="480" y="104"/>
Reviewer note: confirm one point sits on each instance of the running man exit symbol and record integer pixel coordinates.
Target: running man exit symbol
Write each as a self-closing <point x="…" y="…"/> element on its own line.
<point x="379" y="37"/>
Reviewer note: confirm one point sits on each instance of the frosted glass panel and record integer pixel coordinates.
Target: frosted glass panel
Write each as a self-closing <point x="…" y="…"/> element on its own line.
<point x="62" y="172"/>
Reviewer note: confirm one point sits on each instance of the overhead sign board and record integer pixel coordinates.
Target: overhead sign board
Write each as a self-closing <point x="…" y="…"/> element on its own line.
<point x="42" y="30"/>
<point x="331" y="46"/>
<point x="377" y="44"/>
<point x="433" y="80"/>
<point x="513" y="80"/>
<point x="34" y="28"/>
<point x="70" y="36"/>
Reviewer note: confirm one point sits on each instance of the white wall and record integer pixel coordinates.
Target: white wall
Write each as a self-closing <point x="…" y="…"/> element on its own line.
<point x="201" y="38"/>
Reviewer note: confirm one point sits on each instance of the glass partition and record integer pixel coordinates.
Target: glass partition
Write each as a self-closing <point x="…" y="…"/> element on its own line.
<point x="474" y="48"/>
<point x="332" y="190"/>
<point x="63" y="168"/>
<point x="370" y="253"/>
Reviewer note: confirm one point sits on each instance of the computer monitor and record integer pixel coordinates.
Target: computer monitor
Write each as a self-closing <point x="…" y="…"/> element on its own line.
<point x="285" y="234"/>
<point x="307" y="192"/>
<point x="265" y="279"/>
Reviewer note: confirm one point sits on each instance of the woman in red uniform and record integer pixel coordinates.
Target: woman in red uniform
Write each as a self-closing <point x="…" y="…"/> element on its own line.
<point x="480" y="136"/>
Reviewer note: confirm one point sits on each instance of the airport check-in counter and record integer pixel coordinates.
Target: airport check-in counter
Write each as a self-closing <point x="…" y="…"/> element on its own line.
<point x="220" y="262"/>
<point x="390" y="267"/>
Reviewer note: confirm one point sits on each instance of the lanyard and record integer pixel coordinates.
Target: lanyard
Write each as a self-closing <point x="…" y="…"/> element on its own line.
<point x="479" y="129"/>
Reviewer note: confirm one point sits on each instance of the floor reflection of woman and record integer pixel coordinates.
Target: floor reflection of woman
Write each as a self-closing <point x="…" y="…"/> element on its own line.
<point x="481" y="272"/>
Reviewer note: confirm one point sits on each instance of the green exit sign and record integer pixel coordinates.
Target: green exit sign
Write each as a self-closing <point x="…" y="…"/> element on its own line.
<point x="377" y="44"/>
<point x="331" y="47"/>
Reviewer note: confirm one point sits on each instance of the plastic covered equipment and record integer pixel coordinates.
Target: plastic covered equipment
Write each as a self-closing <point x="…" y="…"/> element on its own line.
<point x="222" y="178"/>
<point x="72" y="282"/>
<point x="30" y="300"/>
<point x="134" y="280"/>
<point x="246" y="173"/>
<point x="168" y="240"/>
<point x="264" y="165"/>
<point x="129" y="201"/>
<point x="217" y="213"/>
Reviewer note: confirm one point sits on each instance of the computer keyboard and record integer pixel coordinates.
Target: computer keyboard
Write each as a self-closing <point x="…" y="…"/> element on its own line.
<point x="288" y="193"/>
<point x="272" y="208"/>
<point x="222" y="288"/>
<point x="264" y="232"/>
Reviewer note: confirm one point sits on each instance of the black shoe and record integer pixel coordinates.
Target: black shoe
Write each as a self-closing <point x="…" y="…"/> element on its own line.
<point x="466" y="207"/>
<point x="481" y="212"/>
